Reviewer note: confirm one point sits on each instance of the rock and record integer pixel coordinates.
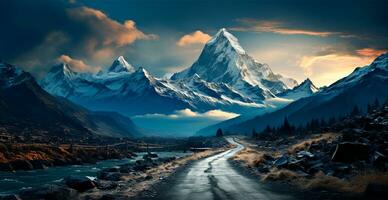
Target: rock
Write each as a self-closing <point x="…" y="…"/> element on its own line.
<point x="6" y="167"/>
<point x="376" y="191"/>
<point x="379" y="159"/>
<point x="305" y="154"/>
<point x="49" y="192"/>
<point x="110" y="176"/>
<point x="38" y="164"/>
<point x="349" y="152"/>
<point x="142" y="165"/>
<point x="80" y="184"/>
<point x="150" y="155"/>
<point x="21" y="165"/>
<point x="106" y="185"/>
<point x="281" y="162"/>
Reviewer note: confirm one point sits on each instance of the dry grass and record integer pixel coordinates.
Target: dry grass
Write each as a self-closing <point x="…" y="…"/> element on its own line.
<point x="305" y="144"/>
<point x="250" y="157"/>
<point x="357" y="184"/>
<point x="280" y="175"/>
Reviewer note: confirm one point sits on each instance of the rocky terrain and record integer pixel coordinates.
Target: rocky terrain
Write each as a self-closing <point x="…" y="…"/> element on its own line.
<point x="121" y="182"/>
<point x="349" y="157"/>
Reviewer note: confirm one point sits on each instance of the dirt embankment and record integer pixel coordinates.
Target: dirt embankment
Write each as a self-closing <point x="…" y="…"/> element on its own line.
<point x="39" y="156"/>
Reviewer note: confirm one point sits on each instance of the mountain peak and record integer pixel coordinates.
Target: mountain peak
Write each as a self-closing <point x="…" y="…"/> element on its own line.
<point x="121" y="65"/>
<point x="11" y="75"/>
<point x="308" y="84"/>
<point x="224" y="38"/>
<point x="381" y="61"/>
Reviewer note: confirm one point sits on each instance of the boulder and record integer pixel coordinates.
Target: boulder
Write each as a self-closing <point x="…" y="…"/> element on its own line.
<point x="39" y="164"/>
<point x="106" y="185"/>
<point x="150" y="155"/>
<point x="21" y="165"/>
<point x="281" y="162"/>
<point x="348" y="152"/>
<point x="305" y="154"/>
<point x="80" y="184"/>
<point x="110" y="176"/>
<point x="6" y="167"/>
<point x="49" y="192"/>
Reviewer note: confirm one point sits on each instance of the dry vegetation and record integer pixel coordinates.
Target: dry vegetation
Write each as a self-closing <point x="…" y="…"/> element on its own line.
<point x="253" y="158"/>
<point x="306" y="143"/>
<point x="356" y="184"/>
<point x="250" y="157"/>
<point x="9" y="153"/>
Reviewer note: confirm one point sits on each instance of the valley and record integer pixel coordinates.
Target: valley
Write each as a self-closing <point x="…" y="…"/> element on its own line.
<point x="225" y="126"/>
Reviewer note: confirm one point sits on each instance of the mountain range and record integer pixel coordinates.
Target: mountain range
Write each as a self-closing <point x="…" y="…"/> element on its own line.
<point x="362" y="87"/>
<point x="224" y="77"/>
<point x="25" y="108"/>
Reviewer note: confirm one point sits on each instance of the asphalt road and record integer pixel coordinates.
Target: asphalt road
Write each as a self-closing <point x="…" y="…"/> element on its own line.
<point x="214" y="178"/>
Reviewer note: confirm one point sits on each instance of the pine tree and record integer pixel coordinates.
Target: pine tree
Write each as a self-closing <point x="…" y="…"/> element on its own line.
<point x="219" y="133"/>
<point x="254" y="134"/>
<point x="370" y="109"/>
<point x="286" y="127"/>
<point x="376" y="104"/>
<point x="355" y="111"/>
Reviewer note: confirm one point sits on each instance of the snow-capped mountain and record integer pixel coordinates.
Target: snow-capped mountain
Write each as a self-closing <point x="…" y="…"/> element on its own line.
<point x="121" y="65"/>
<point x="305" y="89"/>
<point x="223" y="60"/>
<point x="363" y="86"/>
<point x="24" y="105"/>
<point x="11" y="76"/>
<point x="224" y="77"/>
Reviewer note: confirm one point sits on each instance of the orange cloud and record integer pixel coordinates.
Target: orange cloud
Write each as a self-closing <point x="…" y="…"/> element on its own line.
<point x="110" y="31"/>
<point x="77" y="65"/>
<point x="276" y="27"/>
<point x="198" y="37"/>
<point x="369" y="52"/>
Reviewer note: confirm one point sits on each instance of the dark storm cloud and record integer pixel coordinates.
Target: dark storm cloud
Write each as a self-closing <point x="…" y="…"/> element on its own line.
<point x="38" y="32"/>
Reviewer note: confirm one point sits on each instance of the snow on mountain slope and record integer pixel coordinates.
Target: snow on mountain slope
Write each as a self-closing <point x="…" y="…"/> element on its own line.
<point x="223" y="60"/>
<point x="224" y="77"/>
<point x="121" y="65"/>
<point x="11" y="76"/>
<point x="24" y="105"/>
<point x="362" y="87"/>
<point x="305" y="89"/>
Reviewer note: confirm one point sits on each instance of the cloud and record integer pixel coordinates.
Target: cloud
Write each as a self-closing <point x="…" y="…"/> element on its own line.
<point x="77" y="65"/>
<point x="216" y="115"/>
<point x="197" y="37"/>
<point x="109" y="31"/>
<point x="370" y="52"/>
<point x="326" y="69"/>
<point x="273" y="26"/>
<point x="56" y="28"/>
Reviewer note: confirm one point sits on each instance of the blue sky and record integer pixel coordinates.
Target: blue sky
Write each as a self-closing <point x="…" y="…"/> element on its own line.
<point x="323" y="40"/>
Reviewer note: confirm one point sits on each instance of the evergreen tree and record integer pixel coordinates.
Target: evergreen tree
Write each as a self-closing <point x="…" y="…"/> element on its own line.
<point x="254" y="134"/>
<point x="370" y="109"/>
<point x="355" y="111"/>
<point x="219" y="133"/>
<point x="376" y="104"/>
<point x="286" y="127"/>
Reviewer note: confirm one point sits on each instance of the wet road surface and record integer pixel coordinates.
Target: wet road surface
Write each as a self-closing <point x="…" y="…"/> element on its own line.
<point x="214" y="178"/>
